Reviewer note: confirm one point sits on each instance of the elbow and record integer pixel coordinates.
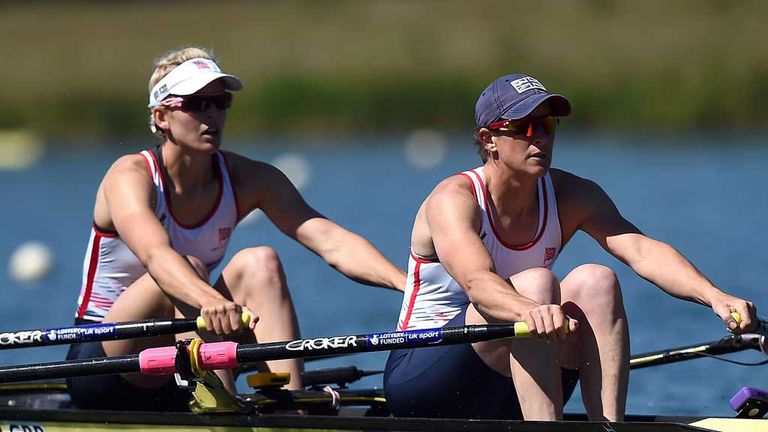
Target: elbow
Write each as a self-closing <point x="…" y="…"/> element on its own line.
<point x="472" y="287"/>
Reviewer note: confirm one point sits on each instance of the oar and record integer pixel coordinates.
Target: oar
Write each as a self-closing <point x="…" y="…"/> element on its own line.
<point x="227" y="355"/>
<point x="726" y="345"/>
<point x="103" y="332"/>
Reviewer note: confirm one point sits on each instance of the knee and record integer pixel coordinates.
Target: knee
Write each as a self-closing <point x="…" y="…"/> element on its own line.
<point x="199" y="266"/>
<point x="595" y="281"/>
<point x="538" y="284"/>
<point x="260" y="263"/>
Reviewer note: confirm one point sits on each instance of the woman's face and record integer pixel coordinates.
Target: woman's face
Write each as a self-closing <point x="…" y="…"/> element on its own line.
<point x="198" y="124"/>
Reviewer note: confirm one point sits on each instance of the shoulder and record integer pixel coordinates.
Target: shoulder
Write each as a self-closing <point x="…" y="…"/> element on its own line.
<point x="244" y="168"/>
<point x="453" y="195"/>
<point x="455" y="186"/>
<point x="132" y="165"/>
<point x="580" y="199"/>
<point x="570" y="186"/>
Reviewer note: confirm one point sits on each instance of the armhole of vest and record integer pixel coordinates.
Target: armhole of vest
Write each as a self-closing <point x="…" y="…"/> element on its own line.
<point x="471" y="183"/>
<point x="147" y="164"/>
<point x="225" y="168"/>
<point x="153" y="168"/>
<point x="104" y="232"/>
<point x="480" y="202"/>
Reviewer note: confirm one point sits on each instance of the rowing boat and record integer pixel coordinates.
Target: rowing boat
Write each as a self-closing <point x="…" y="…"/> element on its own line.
<point x="28" y="418"/>
<point x="41" y="407"/>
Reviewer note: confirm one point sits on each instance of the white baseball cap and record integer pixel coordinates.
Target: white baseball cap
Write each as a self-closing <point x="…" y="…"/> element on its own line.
<point x="189" y="77"/>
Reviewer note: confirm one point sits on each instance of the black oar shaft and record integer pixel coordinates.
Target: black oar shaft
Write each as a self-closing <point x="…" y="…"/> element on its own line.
<point x="70" y="368"/>
<point x="95" y="332"/>
<point x="726" y="345"/>
<point x="337" y="345"/>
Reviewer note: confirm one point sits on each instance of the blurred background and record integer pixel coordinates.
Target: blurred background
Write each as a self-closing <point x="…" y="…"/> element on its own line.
<point x="367" y="105"/>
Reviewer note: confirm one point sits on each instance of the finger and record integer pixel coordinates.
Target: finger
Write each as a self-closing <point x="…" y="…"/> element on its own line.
<point x="573" y="325"/>
<point x="540" y="330"/>
<point x="732" y="321"/>
<point x="746" y="316"/>
<point x="236" y="321"/>
<point x="561" y="326"/>
<point x="550" y="329"/>
<point x="215" y="326"/>
<point x="207" y="319"/>
<point x="252" y="318"/>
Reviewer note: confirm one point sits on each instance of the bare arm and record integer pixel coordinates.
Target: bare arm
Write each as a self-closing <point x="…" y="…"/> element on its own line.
<point x="127" y="192"/>
<point x="653" y="260"/>
<point x="454" y="219"/>
<point x="345" y="251"/>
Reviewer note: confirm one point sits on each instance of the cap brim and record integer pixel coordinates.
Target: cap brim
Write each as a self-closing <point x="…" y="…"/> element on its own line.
<point x="560" y="107"/>
<point x="190" y="86"/>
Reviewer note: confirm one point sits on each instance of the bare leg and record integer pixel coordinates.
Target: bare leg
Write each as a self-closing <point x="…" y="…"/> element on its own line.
<point x="591" y="294"/>
<point x="532" y="363"/>
<point x="256" y="280"/>
<point x="145" y="300"/>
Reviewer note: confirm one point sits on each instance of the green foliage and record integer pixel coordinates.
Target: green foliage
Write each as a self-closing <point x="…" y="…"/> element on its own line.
<point x="75" y="69"/>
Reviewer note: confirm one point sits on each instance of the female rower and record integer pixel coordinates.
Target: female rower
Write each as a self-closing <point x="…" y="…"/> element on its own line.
<point x="162" y="221"/>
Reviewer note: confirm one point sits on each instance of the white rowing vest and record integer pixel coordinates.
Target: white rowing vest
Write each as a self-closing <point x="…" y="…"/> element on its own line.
<point x="110" y="267"/>
<point x="432" y="297"/>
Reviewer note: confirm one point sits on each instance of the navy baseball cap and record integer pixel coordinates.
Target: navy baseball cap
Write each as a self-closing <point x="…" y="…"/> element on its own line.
<point x="514" y="97"/>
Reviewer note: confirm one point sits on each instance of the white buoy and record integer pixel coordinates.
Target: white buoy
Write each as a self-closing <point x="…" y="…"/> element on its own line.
<point x="425" y="148"/>
<point x="294" y="166"/>
<point x="20" y="149"/>
<point x="30" y="262"/>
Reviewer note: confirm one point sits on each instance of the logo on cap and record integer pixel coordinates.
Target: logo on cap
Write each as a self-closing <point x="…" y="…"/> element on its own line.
<point x="526" y="83"/>
<point x="201" y="64"/>
<point x="161" y="93"/>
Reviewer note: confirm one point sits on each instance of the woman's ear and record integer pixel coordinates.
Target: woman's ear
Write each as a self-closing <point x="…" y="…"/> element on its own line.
<point x="160" y="118"/>
<point x="486" y="138"/>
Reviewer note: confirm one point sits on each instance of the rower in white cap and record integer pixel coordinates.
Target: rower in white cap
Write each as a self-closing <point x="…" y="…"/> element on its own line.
<point x="162" y="221"/>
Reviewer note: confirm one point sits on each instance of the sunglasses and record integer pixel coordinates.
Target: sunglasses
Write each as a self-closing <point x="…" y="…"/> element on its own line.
<point x="526" y="126"/>
<point x="199" y="103"/>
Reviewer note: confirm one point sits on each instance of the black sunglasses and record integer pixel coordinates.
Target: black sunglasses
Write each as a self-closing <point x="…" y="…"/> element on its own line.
<point x="200" y="103"/>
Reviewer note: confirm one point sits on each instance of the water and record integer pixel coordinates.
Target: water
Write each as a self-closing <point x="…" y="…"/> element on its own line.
<point x="710" y="202"/>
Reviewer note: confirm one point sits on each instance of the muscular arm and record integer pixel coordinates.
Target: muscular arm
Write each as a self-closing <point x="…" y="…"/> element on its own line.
<point x="127" y="191"/>
<point x="345" y="251"/>
<point x="653" y="260"/>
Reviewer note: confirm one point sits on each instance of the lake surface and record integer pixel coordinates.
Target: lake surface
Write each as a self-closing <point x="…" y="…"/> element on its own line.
<point x="706" y="196"/>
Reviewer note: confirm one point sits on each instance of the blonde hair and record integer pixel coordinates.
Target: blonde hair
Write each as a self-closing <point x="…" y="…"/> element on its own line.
<point x="166" y="63"/>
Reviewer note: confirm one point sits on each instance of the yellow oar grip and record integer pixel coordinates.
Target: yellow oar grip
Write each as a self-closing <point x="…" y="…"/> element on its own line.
<point x="522" y="330"/>
<point x="245" y="318"/>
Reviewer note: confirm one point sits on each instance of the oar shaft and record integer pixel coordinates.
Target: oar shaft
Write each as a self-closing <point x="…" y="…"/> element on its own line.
<point x="70" y="368"/>
<point x="224" y="355"/>
<point x="726" y="345"/>
<point x="94" y="332"/>
<point x="337" y="345"/>
<point x="103" y="332"/>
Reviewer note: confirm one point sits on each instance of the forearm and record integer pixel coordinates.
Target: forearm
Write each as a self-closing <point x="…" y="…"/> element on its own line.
<point x="665" y="267"/>
<point x="178" y="279"/>
<point x="496" y="300"/>
<point x="357" y="259"/>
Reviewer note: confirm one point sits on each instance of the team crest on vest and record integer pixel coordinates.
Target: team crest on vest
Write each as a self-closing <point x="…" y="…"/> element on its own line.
<point x="549" y="254"/>
<point x="224" y="234"/>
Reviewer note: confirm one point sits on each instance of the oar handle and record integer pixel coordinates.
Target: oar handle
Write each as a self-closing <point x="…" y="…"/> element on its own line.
<point x="245" y="319"/>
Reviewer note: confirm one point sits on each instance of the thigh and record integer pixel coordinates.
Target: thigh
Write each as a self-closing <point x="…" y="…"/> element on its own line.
<point x="447" y="381"/>
<point x="142" y="300"/>
<point x="114" y="392"/>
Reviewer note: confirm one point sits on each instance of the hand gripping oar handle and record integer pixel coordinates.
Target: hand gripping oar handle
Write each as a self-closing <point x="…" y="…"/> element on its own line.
<point x="226" y="355"/>
<point x="104" y="332"/>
